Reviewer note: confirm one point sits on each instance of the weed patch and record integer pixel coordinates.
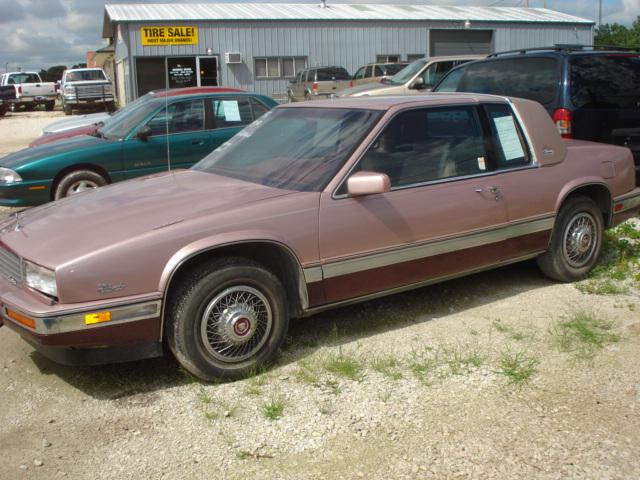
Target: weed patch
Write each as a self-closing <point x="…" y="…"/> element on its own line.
<point x="583" y="334"/>
<point x="517" y="367"/>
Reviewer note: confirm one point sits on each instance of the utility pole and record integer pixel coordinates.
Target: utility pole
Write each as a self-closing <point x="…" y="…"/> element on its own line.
<point x="600" y="13"/>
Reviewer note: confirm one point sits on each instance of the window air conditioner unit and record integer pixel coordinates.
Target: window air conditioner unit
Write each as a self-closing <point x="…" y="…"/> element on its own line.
<point x="232" y="57"/>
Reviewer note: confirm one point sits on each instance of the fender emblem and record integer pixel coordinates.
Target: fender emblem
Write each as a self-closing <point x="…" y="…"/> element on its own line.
<point x="547" y="152"/>
<point x="109" y="288"/>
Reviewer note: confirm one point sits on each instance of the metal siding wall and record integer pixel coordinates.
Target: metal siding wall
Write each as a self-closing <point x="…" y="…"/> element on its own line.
<point x="350" y="44"/>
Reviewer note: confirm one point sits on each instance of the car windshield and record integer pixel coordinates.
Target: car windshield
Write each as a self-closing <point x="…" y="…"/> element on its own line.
<point x="392" y="68"/>
<point x="407" y="73"/>
<point x="85" y="75"/>
<point x="119" y="126"/>
<point x="292" y="148"/>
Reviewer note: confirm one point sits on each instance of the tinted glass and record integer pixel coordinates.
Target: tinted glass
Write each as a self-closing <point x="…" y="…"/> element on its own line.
<point x="179" y="117"/>
<point x="392" y="68"/>
<point x="449" y="83"/>
<point x="510" y="145"/>
<point x="85" y="75"/>
<point x="325" y="74"/>
<point x="611" y="81"/>
<point x="292" y="148"/>
<point x="435" y="72"/>
<point x="426" y="145"/>
<point x="258" y="109"/>
<point x="535" y="78"/>
<point x="359" y="73"/>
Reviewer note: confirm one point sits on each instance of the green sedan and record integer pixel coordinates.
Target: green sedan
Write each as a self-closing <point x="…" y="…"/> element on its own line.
<point x="169" y="131"/>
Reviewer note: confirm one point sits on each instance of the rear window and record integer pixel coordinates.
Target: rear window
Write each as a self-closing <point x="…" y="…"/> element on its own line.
<point x="534" y="78"/>
<point x="611" y="81"/>
<point x="325" y="74"/>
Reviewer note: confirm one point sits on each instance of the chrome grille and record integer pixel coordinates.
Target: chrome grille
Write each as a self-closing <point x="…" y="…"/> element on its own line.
<point x="11" y="266"/>
<point x="91" y="91"/>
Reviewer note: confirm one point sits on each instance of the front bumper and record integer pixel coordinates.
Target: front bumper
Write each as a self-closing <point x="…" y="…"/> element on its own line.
<point x="25" y="194"/>
<point x="131" y="332"/>
<point x="71" y="100"/>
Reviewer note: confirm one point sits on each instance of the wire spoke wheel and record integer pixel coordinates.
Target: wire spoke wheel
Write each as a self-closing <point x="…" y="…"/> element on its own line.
<point x="236" y="324"/>
<point x="580" y="240"/>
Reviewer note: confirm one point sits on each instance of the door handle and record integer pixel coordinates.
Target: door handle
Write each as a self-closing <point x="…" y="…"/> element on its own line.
<point x="495" y="190"/>
<point x="197" y="142"/>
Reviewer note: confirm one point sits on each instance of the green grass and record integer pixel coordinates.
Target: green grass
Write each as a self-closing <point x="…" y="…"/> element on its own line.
<point x="344" y="366"/>
<point x="387" y="366"/>
<point x="509" y="331"/>
<point x="307" y="373"/>
<point x="214" y="409"/>
<point x="518" y="367"/>
<point x="583" y="334"/>
<point x="619" y="263"/>
<point x="274" y="408"/>
<point x="461" y="359"/>
<point x="442" y="362"/>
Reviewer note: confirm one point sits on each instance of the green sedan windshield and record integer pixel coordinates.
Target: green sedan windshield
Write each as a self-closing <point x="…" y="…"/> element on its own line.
<point x="292" y="148"/>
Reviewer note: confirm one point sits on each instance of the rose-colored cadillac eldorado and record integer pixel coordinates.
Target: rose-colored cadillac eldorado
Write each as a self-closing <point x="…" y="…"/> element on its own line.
<point x="311" y="207"/>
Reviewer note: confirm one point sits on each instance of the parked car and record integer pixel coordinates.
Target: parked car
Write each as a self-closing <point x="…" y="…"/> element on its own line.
<point x="83" y="88"/>
<point x="30" y="90"/>
<point x="591" y="94"/>
<point x="317" y="82"/>
<point x="7" y="94"/>
<point x="375" y="72"/>
<point x="134" y="143"/>
<point x="89" y="124"/>
<point x="312" y="206"/>
<point x="416" y="78"/>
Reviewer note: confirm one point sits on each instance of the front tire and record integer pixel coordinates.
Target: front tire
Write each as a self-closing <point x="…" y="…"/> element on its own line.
<point x="67" y="109"/>
<point x="576" y="241"/>
<point x="226" y="318"/>
<point x="76" y="182"/>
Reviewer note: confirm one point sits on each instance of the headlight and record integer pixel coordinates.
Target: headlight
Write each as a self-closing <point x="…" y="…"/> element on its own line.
<point x="9" y="176"/>
<point x="41" y="279"/>
<point x="69" y="89"/>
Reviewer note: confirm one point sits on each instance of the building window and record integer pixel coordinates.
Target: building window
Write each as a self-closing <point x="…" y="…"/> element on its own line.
<point x="292" y="65"/>
<point x="415" y="56"/>
<point x="387" y="58"/>
<point x="286" y="67"/>
<point x="267" y="67"/>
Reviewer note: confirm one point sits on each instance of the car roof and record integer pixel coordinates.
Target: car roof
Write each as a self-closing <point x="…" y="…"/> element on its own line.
<point x="564" y="50"/>
<point x="174" y="92"/>
<point x="388" y="102"/>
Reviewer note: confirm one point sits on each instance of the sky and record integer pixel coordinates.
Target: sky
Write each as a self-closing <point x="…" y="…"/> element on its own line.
<point x="41" y="33"/>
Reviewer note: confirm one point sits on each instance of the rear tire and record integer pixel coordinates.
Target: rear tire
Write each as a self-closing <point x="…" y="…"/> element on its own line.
<point x="226" y="318"/>
<point x="67" y="109"/>
<point x="576" y="241"/>
<point x="77" y="182"/>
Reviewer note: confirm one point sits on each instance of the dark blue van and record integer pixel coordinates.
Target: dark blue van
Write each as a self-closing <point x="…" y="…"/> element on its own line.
<point x="591" y="94"/>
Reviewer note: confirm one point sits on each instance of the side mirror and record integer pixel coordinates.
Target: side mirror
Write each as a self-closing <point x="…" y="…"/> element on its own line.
<point x="417" y="83"/>
<point x="144" y="133"/>
<point x="368" y="183"/>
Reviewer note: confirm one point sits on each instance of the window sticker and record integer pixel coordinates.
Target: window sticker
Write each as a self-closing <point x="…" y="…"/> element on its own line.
<point x="231" y="111"/>
<point x="481" y="163"/>
<point x="508" y="136"/>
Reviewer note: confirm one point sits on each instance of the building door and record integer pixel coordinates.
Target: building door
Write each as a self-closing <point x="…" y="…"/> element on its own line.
<point x="459" y="42"/>
<point x="150" y="74"/>
<point x="182" y="72"/>
<point x="208" y="70"/>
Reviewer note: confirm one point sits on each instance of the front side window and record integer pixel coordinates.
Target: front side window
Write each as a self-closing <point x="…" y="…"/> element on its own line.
<point x="178" y="117"/>
<point x="427" y="145"/>
<point x="292" y="148"/>
<point x="511" y="149"/>
<point x="359" y="74"/>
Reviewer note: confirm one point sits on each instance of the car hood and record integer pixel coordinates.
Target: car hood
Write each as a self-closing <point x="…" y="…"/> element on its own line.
<point x="363" y="89"/>
<point x="32" y="154"/>
<point x="59" y="232"/>
<point x="72" y="132"/>
<point x="75" y="122"/>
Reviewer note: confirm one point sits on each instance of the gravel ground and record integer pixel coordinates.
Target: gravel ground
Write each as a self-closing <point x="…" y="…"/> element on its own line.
<point x="480" y="377"/>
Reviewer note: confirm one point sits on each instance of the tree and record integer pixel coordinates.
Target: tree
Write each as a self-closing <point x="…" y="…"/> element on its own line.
<point x="617" y="35"/>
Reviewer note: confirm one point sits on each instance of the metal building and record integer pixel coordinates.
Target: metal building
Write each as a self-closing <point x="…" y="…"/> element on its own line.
<point x="260" y="47"/>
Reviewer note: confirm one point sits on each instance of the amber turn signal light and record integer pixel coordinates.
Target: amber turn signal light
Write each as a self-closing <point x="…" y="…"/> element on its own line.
<point x="98" y="317"/>
<point x="22" y="319"/>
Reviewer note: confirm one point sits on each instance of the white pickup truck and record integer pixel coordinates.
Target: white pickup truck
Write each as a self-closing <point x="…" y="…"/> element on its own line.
<point x="84" y="88"/>
<point x="31" y="91"/>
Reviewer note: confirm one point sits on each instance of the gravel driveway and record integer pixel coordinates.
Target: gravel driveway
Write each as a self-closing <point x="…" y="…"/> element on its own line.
<point x="503" y="374"/>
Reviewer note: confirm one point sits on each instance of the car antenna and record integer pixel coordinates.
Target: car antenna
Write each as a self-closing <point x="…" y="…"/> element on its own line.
<point x="166" y="122"/>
